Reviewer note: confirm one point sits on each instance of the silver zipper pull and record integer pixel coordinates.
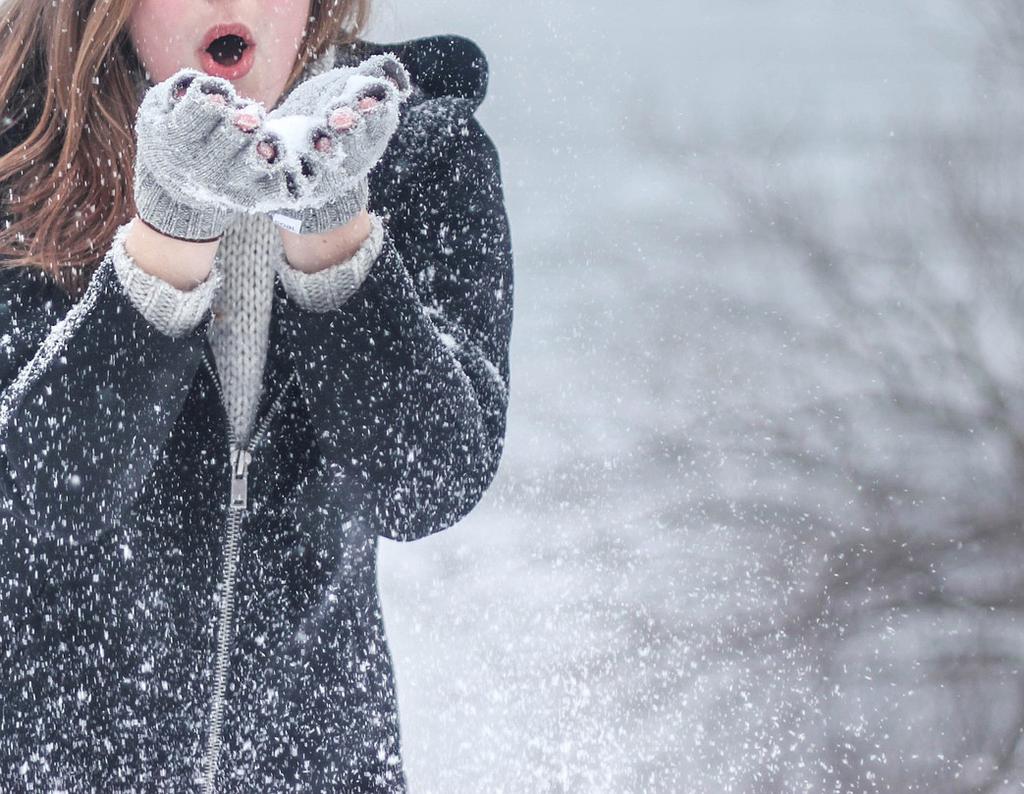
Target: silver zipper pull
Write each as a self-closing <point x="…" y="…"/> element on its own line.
<point x="240" y="460"/>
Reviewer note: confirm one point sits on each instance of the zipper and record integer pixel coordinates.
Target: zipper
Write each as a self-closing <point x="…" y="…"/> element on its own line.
<point x="237" y="504"/>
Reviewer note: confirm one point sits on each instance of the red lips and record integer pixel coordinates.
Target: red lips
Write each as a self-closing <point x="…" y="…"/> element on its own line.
<point x="231" y="71"/>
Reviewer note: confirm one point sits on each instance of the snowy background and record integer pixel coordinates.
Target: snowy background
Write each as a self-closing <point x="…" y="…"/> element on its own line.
<point x="758" y="527"/>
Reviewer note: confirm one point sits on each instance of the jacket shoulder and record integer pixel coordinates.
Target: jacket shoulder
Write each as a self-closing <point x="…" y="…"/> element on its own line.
<point x="439" y="66"/>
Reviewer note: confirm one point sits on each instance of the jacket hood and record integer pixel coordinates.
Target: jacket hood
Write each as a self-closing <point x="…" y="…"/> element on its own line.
<point x="445" y="67"/>
<point x="450" y="80"/>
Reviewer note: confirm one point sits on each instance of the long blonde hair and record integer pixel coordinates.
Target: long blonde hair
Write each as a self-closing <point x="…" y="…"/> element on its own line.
<point x="68" y="99"/>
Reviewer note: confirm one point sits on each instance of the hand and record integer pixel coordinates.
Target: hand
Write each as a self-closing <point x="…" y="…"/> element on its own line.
<point x="198" y="157"/>
<point x="328" y="134"/>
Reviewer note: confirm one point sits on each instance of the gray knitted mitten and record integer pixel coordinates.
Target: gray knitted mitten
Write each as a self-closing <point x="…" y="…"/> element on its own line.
<point x="329" y="133"/>
<point x="195" y="166"/>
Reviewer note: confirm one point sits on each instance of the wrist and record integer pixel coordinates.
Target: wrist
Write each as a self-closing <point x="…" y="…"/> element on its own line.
<point x="182" y="264"/>
<point x="310" y="253"/>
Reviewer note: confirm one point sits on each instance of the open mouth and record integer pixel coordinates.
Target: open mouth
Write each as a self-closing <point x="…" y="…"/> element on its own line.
<point x="227" y="50"/>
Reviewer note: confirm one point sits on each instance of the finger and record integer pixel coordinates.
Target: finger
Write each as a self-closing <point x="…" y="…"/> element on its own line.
<point x="269" y="149"/>
<point x="343" y="119"/>
<point x="201" y="105"/>
<point x="248" y="118"/>
<point x="359" y="104"/>
<point x="386" y="66"/>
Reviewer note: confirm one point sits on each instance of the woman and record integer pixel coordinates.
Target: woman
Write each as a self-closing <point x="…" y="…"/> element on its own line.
<point x="205" y="426"/>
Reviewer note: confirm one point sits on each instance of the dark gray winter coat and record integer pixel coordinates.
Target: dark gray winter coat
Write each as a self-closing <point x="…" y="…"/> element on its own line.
<point x="382" y="418"/>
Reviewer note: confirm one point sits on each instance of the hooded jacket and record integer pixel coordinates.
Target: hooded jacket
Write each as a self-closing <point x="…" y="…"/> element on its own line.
<point x="178" y="614"/>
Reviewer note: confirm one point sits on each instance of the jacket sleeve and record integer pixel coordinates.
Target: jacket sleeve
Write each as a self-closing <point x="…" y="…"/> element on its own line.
<point x="407" y="381"/>
<point x="90" y="391"/>
<point x="171" y="310"/>
<point x="329" y="288"/>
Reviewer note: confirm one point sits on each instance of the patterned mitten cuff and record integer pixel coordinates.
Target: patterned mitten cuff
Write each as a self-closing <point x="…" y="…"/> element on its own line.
<point x="329" y="288"/>
<point x="173" y="311"/>
<point x="189" y="221"/>
<point x="331" y="215"/>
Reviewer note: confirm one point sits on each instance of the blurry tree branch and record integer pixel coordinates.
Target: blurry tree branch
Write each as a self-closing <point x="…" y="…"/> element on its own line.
<point x="911" y="459"/>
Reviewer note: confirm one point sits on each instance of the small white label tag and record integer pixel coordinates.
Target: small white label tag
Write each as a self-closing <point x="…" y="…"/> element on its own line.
<point x="291" y="224"/>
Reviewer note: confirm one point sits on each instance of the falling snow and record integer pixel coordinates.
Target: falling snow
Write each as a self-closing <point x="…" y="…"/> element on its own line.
<point x="756" y="523"/>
